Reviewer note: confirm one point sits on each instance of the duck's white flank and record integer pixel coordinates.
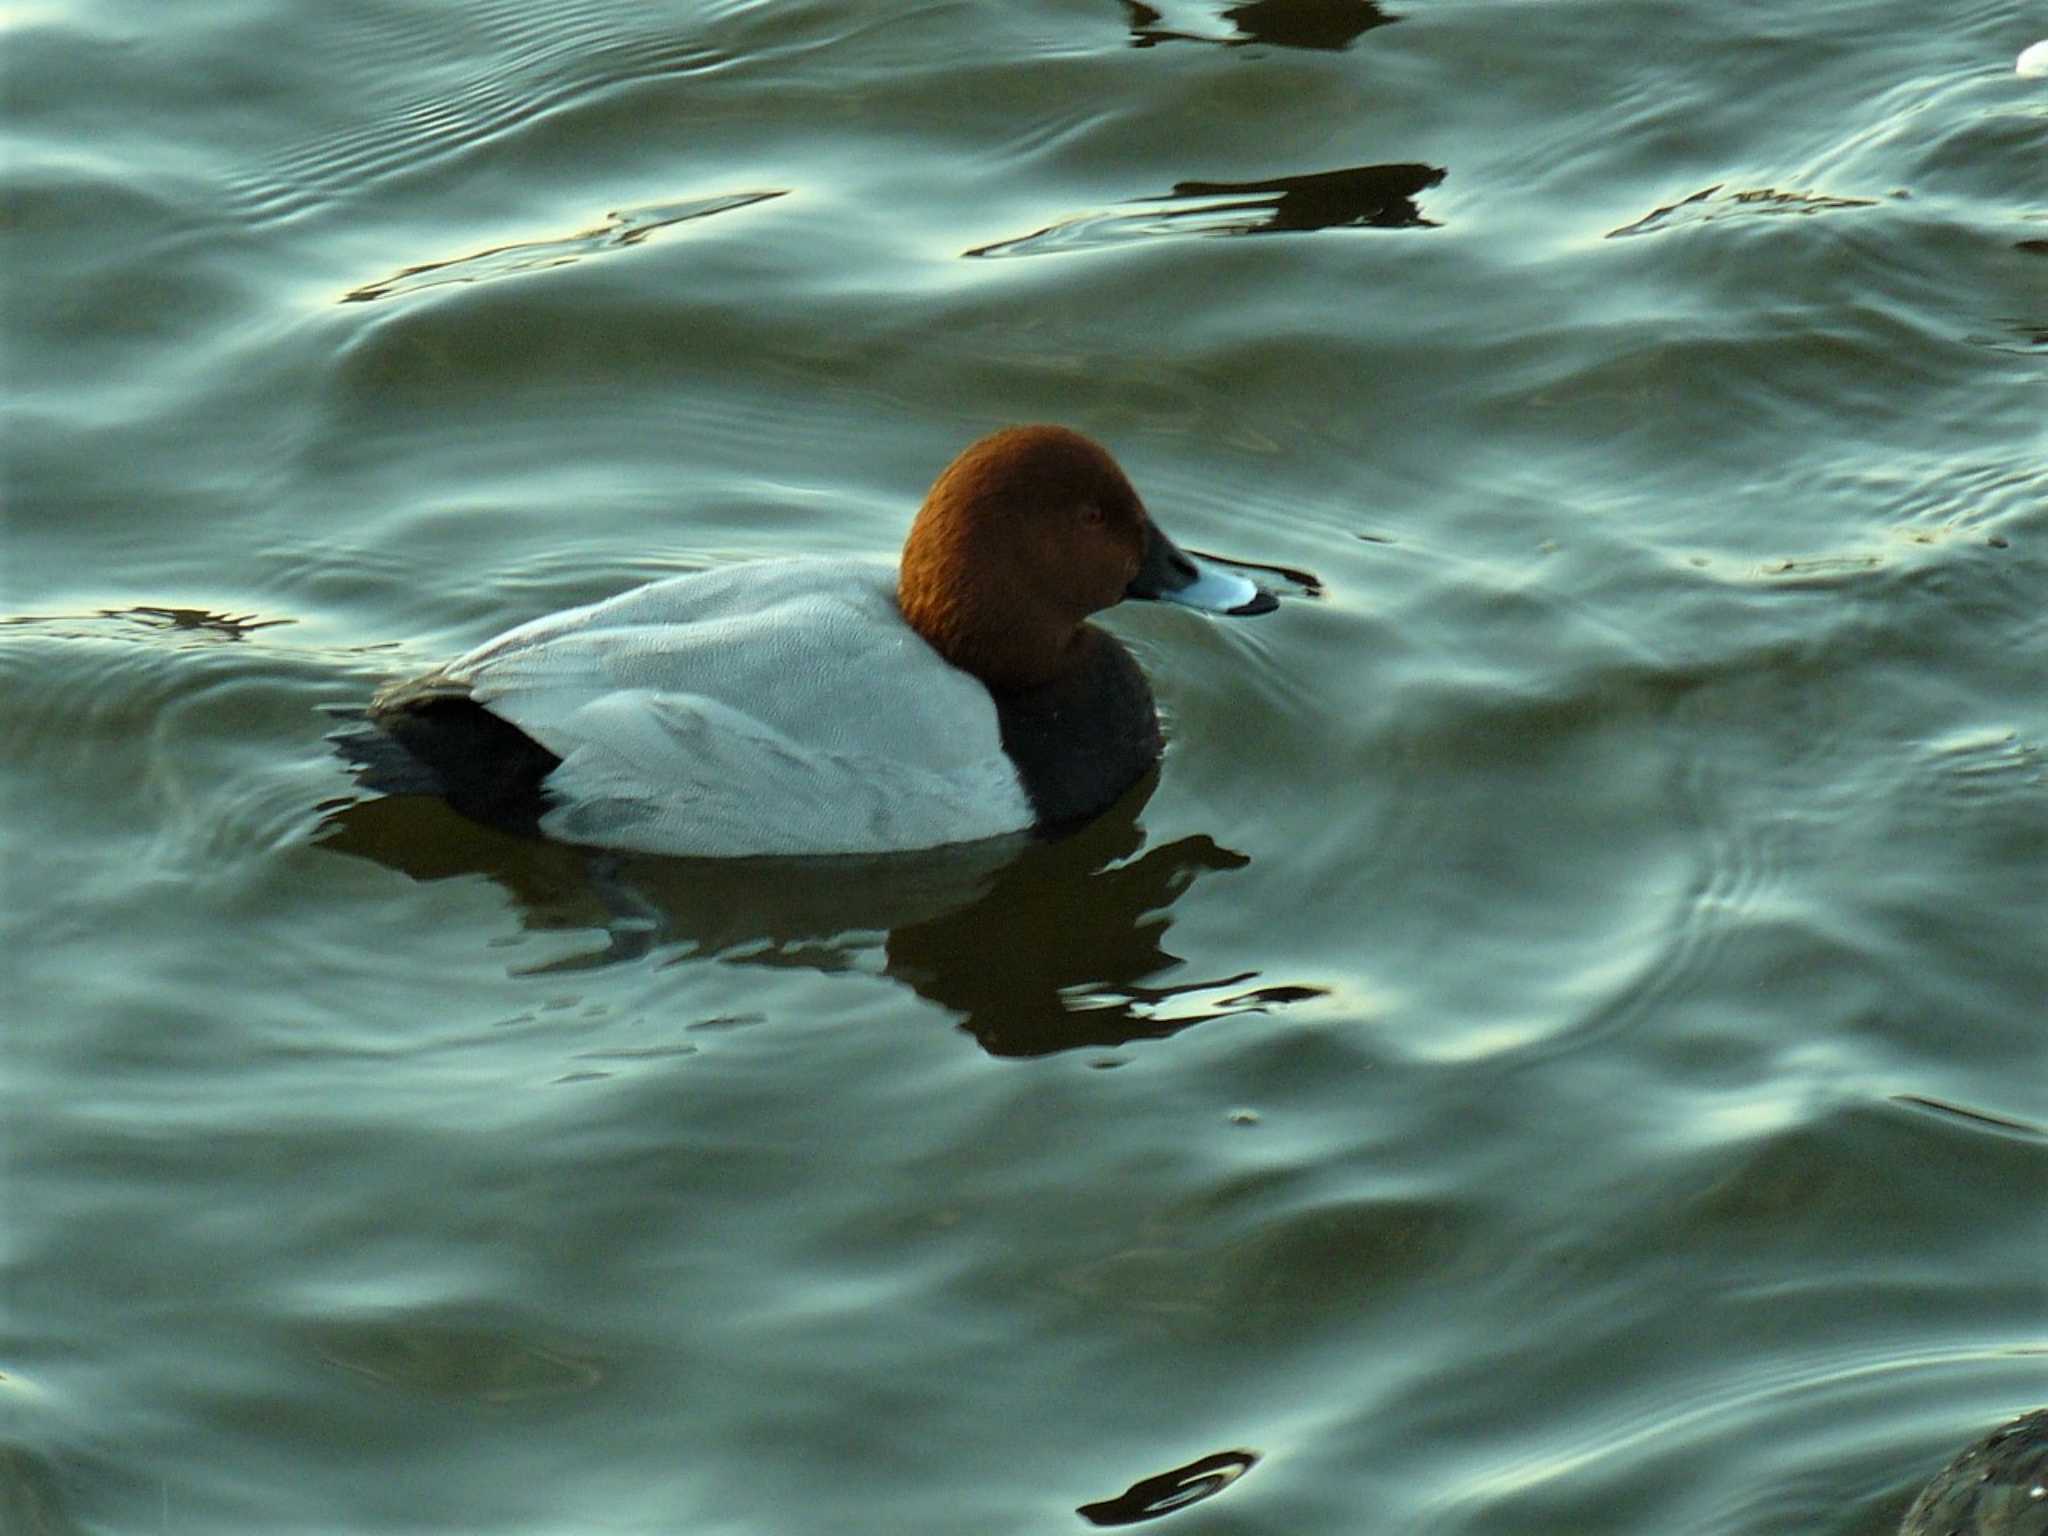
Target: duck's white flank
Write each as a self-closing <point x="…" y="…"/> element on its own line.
<point x="780" y="706"/>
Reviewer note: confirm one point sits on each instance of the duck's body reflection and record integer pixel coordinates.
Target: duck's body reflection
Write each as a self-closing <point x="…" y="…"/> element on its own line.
<point x="1038" y="946"/>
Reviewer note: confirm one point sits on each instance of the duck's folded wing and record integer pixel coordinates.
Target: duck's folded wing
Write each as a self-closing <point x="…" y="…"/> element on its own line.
<point x="814" y="722"/>
<point x="816" y="649"/>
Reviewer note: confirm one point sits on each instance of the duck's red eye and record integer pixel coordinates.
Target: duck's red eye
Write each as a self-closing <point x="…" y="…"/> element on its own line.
<point x="1091" y="514"/>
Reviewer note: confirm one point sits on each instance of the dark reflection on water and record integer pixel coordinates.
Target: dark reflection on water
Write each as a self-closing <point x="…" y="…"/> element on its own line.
<point x="228" y="626"/>
<point x="1374" y="196"/>
<point x="1040" y="947"/>
<point x="1358" y="197"/>
<point x="822" y="913"/>
<point x="618" y="231"/>
<point x="1151" y="1497"/>
<point x="195" y="622"/>
<point x="1053" y="956"/>
<point x="1321" y="24"/>
<point x="1706" y="206"/>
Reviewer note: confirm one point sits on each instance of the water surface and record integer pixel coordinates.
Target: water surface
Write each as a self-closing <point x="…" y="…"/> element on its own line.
<point x="1557" y="1046"/>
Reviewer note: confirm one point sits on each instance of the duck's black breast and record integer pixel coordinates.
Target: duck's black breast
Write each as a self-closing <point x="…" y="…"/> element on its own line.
<point x="1081" y="740"/>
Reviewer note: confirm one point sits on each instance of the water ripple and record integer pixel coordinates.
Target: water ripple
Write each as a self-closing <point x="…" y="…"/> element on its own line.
<point x="536" y="63"/>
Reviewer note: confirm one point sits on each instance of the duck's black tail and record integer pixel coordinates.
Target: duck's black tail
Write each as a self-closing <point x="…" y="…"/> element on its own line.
<point x="377" y="760"/>
<point x="443" y="743"/>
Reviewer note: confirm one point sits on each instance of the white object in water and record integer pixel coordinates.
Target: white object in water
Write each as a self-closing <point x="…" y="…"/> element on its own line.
<point x="2034" y="61"/>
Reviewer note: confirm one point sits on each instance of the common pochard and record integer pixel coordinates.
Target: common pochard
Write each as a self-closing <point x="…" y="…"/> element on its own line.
<point x="820" y="706"/>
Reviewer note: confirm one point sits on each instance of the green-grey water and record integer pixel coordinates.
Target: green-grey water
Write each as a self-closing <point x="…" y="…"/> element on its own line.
<point x="1559" y="1046"/>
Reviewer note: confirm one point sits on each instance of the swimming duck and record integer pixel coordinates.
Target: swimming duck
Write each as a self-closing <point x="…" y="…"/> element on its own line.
<point x="826" y="706"/>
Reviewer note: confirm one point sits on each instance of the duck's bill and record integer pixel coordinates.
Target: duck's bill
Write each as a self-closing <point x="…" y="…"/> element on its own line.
<point x="1170" y="574"/>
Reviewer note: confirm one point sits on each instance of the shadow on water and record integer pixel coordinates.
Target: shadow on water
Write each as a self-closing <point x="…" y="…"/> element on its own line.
<point x="1357" y="197"/>
<point x="1038" y="946"/>
<point x="1326" y="25"/>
